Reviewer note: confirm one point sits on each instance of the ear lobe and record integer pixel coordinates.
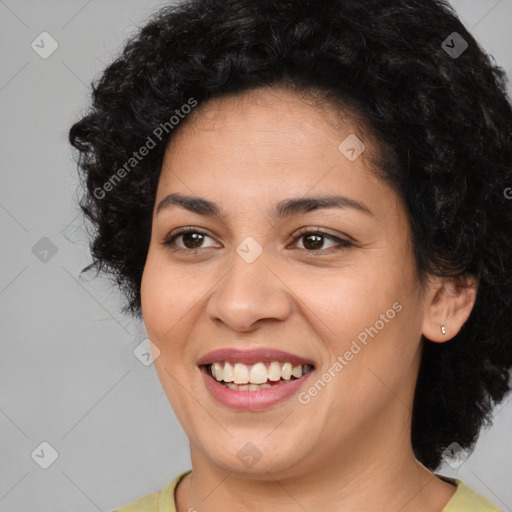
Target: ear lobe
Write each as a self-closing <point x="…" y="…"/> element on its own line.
<point x="449" y="303"/>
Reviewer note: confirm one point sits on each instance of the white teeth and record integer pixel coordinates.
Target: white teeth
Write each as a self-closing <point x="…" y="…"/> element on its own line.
<point x="217" y="371"/>
<point x="250" y="378"/>
<point x="228" y="372"/>
<point x="240" y="374"/>
<point x="258" y="374"/>
<point x="274" y="371"/>
<point x="247" y="387"/>
<point x="286" y="371"/>
<point x="297" y="372"/>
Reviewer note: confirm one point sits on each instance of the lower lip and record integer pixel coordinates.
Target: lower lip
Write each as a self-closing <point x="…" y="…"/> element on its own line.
<point x="253" y="400"/>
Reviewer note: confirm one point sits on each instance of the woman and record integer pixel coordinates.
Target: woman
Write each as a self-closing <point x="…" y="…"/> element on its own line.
<point x="306" y="205"/>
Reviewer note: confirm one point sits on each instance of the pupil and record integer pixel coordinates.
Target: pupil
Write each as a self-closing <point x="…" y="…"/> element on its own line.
<point x="196" y="239"/>
<point x="315" y="246"/>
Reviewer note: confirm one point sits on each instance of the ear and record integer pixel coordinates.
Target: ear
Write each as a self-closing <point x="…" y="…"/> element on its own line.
<point x="449" y="302"/>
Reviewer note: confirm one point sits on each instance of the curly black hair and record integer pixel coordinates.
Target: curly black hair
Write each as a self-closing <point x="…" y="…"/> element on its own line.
<point x="419" y="80"/>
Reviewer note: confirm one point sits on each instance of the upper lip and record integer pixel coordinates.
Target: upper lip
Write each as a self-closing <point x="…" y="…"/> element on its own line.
<point x="251" y="356"/>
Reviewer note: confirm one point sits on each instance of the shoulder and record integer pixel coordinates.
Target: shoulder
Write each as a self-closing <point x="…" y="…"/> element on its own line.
<point x="162" y="500"/>
<point x="466" y="499"/>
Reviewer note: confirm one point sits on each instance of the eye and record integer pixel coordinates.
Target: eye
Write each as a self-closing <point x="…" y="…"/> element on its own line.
<point x="191" y="237"/>
<point x="313" y="240"/>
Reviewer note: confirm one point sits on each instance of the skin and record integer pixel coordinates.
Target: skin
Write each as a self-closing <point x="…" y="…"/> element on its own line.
<point x="349" y="448"/>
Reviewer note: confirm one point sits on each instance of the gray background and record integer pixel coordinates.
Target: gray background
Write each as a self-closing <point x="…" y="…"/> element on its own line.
<point x="69" y="374"/>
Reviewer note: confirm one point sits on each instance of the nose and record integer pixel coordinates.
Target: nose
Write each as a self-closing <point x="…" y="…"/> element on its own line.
<point x="249" y="293"/>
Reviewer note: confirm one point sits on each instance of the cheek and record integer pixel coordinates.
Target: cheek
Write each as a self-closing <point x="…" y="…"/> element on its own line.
<point x="368" y="313"/>
<point x="167" y="298"/>
<point x="166" y="291"/>
<point x="350" y="301"/>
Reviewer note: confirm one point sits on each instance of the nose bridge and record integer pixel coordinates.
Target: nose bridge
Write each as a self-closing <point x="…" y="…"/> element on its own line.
<point x="249" y="291"/>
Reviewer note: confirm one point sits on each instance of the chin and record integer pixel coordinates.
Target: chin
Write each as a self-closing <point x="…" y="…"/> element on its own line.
<point x="255" y="459"/>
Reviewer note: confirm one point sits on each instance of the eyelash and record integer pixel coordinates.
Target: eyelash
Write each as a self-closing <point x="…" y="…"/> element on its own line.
<point x="345" y="244"/>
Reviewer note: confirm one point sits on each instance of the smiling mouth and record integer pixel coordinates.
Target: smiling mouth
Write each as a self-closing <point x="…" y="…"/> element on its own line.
<point x="262" y="375"/>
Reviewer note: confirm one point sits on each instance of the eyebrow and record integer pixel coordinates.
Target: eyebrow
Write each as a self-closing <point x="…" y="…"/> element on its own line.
<point x="285" y="208"/>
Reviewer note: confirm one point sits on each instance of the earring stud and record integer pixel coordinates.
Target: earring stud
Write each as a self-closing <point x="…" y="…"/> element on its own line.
<point x="443" y="329"/>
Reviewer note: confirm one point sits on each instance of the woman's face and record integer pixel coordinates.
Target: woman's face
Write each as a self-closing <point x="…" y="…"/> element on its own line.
<point x="251" y="288"/>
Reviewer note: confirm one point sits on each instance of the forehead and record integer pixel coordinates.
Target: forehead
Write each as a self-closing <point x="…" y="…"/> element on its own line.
<point x="272" y="116"/>
<point x="268" y="143"/>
